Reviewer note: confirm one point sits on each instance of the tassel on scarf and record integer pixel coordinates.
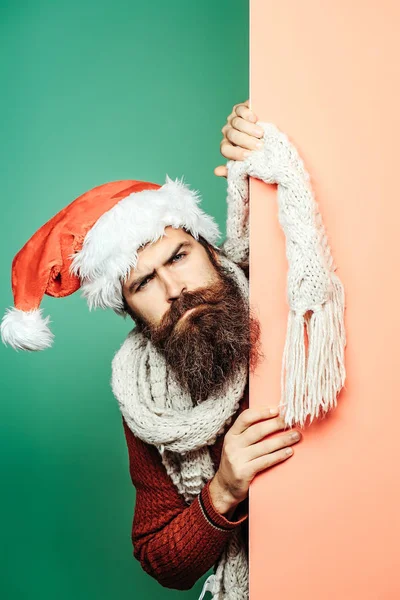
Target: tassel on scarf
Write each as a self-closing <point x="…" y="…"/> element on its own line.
<point x="312" y="377"/>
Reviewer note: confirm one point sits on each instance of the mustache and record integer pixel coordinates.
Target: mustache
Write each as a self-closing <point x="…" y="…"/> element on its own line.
<point x="206" y="296"/>
<point x="212" y="342"/>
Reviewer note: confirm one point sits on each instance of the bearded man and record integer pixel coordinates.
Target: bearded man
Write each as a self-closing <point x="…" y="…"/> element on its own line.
<point x="192" y="311"/>
<point x="181" y="375"/>
<point x="191" y="308"/>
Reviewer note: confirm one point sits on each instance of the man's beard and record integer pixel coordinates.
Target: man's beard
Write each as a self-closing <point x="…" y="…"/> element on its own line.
<point x="206" y="347"/>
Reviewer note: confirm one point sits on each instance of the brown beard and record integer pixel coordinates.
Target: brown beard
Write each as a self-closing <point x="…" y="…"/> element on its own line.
<point x="207" y="346"/>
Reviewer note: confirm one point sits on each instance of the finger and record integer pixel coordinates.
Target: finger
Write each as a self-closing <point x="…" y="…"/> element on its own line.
<point x="232" y="152"/>
<point x="221" y="171"/>
<point x="264" y="462"/>
<point x="235" y="106"/>
<point x="258" y="431"/>
<point x="250" y="416"/>
<point x="245" y="112"/>
<point x="246" y="127"/>
<point x="235" y="109"/>
<point x="271" y="444"/>
<point x="242" y="139"/>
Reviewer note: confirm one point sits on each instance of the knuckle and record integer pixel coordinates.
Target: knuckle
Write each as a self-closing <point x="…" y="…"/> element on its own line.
<point x="253" y="411"/>
<point x="262" y="430"/>
<point x="258" y="430"/>
<point x="227" y="445"/>
<point x="252" y="415"/>
<point x="230" y="134"/>
<point x="287" y="441"/>
<point x="231" y="457"/>
<point x="267" y="461"/>
<point x="241" y="474"/>
<point x="235" y="121"/>
<point x="234" y="466"/>
<point x="245" y="416"/>
<point x="244" y="424"/>
<point x="224" y="148"/>
<point x="265" y="446"/>
<point x="267" y="427"/>
<point x="253" y="470"/>
<point x="242" y="110"/>
<point x="230" y="464"/>
<point x="245" y="111"/>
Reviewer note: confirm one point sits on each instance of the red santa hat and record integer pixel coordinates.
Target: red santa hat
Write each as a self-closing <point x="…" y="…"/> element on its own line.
<point x="92" y="244"/>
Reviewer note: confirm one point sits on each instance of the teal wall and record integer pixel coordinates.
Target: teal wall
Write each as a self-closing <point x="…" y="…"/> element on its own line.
<point x="93" y="91"/>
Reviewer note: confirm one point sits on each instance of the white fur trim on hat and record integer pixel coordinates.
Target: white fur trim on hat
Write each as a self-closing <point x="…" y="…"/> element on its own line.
<point x="110" y="248"/>
<point x="26" y="330"/>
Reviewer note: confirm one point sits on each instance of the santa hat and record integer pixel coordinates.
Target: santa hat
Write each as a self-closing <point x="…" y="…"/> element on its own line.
<point x="92" y="244"/>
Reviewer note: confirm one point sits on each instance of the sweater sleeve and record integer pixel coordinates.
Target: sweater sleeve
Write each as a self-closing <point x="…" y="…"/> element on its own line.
<point x="236" y="244"/>
<point x="175" y="543"/>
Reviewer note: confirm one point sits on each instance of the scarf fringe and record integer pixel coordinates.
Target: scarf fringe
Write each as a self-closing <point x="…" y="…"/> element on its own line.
<point x="310" y="378"/>
<point x="310" y="381"/>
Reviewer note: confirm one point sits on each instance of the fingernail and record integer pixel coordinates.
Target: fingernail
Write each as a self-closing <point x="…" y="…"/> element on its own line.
<point x="259" y="145"/>
<point x="273" y="411"/>
<point x="246" y="153"/>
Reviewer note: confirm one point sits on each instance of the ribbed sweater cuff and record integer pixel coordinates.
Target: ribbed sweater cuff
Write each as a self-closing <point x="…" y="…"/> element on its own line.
<point x="214" y="517"/>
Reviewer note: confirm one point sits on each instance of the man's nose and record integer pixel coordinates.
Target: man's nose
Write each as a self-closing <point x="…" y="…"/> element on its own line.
<point x="173" y="288"/>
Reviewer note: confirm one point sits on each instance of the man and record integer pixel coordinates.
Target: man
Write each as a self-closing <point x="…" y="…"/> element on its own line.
<point x="181" y="300"/>
<point x="181" y="375"/>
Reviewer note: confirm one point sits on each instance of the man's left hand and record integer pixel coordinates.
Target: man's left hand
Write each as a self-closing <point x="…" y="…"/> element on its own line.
<point x="240" y="136"/>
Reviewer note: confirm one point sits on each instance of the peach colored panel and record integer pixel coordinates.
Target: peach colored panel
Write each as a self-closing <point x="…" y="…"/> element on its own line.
<point x="325" y="525"/>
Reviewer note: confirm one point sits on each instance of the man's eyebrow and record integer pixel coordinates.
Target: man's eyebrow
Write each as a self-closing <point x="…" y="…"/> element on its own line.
<point x="139" y="280"/>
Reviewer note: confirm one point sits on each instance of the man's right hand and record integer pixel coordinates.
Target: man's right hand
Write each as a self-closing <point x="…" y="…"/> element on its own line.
<point x="240" y="135"/>
<point x="247" y="450"/>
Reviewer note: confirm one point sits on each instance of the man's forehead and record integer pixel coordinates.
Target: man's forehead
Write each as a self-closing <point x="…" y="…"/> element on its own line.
<point x="171" y="234"/>
<point x="155" y="253"/>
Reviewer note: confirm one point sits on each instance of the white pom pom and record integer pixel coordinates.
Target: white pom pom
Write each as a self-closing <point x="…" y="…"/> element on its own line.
<point x="26" y="330"/>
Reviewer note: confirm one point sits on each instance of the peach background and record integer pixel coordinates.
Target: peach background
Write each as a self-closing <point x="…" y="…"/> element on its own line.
<point x="325" y="525"/>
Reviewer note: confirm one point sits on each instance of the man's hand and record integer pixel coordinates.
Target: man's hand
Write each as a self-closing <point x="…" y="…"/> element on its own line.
<point x="247" y="450"/>
<point x="240" y="136"/>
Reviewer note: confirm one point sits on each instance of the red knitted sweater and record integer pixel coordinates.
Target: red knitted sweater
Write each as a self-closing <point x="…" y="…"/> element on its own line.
<point x="177" y="543"/>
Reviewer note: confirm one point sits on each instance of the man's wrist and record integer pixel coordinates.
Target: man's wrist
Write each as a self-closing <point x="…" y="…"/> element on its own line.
<point x="222" y="501"/>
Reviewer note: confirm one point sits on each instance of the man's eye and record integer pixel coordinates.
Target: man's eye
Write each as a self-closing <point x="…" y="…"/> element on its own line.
<point x="144" y="282"/>
<point x="180" y="254"/>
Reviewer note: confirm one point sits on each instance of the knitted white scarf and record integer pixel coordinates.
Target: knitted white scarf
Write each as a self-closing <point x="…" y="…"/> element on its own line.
<point x="160" y="413"/>
<point x="312" y="378"/>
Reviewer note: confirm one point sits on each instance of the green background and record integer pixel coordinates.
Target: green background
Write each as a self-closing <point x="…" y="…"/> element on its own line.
<point x="93" y="91"/>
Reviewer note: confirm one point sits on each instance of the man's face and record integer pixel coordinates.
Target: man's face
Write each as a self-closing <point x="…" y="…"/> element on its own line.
<point x="193" y="312"/>
<point x="175" y="264"/>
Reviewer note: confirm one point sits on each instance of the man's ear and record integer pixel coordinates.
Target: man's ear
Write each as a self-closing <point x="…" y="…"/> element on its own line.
<point x="215" y="254"/>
